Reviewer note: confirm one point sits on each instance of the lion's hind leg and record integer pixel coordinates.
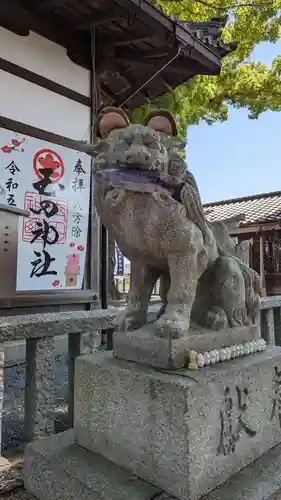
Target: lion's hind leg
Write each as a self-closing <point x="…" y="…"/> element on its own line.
<point x="228" y="291"/>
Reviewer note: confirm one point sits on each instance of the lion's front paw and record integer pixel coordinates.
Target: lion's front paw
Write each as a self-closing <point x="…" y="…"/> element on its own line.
<point x="171" y="325"/>
<point x="216" y="319"/>
<point x="132" y="320"/>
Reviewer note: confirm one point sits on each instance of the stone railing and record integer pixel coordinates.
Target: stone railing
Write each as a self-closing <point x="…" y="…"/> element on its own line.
<point x="40" y="333"/>
<point x="271" y="319"/>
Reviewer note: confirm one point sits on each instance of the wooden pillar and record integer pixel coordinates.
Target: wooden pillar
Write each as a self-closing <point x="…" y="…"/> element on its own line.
<point x="262" y="271"/>
<point x="99" y="232"/>
<point x="95" y="226"/>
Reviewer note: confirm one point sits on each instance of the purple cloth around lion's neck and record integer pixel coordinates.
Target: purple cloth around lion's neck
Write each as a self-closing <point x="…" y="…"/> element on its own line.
<point x="137" y="179"/>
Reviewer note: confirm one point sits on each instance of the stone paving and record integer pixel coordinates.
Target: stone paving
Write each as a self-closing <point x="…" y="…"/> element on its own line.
<point x="19" y="494"/>
<point x="11" y="479"/>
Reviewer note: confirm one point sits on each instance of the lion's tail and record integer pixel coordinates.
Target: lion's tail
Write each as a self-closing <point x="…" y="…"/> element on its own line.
<point x="252" y="283"/>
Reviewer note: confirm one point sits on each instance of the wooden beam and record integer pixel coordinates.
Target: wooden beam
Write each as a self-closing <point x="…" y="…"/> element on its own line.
<point x="38" y="4"/>
<point x="148" y="14"/>
<point x="47" y="26"/>
<point x="152" y="16"/>
<point x="43" y="82"/>
<point x="147" y="55"/>
<point x="131" y="39"/>
<point x="165" y="83"/>
<point x="160" y="52"/>
<point x="99" y="20"/>
<point x="177" y="68"/>
<point x="107" y="44"/>
<point x="24" y="129"/>
<point x="18" y="30"/>
<point x="256" y="228"/>
<point x="141" y="82"/>
<point x="7" y="209"/>
<point x="150" y="57"/>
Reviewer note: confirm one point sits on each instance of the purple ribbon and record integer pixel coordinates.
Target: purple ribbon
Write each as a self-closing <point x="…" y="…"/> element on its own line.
<point x="137" y="179"/>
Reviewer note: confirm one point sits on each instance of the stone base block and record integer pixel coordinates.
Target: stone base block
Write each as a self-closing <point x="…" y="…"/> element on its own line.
<point x="184" y="432"/>
<point x="142" y="346"/>
<point x="57" y="468"/>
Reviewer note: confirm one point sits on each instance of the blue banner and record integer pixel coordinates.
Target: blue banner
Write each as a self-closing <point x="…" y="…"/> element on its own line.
<point x="119" y="262"/>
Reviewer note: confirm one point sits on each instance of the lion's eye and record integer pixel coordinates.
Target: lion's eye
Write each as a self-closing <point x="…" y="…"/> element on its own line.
<point x="128" y="139"/>
<point x="120" y="144"/>
<point x="150" y="141"/>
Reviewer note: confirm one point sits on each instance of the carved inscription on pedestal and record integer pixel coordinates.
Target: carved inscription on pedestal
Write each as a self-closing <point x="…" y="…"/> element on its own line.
<point x="233" y="421"/>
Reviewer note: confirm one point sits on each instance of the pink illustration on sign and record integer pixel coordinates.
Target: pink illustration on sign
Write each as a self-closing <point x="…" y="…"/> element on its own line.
<point x="72" y="270"/>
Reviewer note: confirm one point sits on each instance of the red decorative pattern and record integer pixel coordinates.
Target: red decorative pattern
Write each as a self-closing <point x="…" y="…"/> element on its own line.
<point x="14" y="146"/>
<point x="58" y="221"/>
<point x="51" y="160"/>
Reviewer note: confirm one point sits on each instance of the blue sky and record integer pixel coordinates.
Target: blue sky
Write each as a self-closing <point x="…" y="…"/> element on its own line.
<point x="239" y="157"/>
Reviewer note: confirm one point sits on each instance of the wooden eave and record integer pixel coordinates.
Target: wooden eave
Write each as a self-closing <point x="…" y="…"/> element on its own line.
<point x="134" y="40"/>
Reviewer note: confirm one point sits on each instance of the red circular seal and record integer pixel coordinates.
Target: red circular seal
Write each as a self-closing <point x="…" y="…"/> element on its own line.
<point x="48" y="159"/>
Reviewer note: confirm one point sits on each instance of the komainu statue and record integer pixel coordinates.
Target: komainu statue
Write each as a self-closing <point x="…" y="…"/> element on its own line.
<point x="150" y="202"/>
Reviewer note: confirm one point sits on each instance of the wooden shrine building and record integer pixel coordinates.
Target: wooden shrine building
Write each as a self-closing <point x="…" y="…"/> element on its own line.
<point x="256" y="219"/>
<point x="60" y="60"/>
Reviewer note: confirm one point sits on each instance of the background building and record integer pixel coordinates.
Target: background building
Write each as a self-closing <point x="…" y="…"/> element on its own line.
<point x="256" y="219"/>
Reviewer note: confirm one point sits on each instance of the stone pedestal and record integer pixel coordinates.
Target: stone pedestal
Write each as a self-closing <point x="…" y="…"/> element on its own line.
<point x="144" y="347"/>
<point x="184" y="432"/>
<point x="56" y="468"/>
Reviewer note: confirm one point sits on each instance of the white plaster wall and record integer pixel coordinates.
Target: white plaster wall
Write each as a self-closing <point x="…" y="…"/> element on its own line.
<point x="33" y="105"/>
<point x="45" y="58"/>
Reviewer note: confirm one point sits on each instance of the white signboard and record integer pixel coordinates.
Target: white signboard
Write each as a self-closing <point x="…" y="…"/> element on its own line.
<point x="53" y="183"/>
<point x="127" y="266"/>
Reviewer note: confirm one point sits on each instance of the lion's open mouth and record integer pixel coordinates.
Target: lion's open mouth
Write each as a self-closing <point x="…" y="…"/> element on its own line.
<point x="137" y="179"/>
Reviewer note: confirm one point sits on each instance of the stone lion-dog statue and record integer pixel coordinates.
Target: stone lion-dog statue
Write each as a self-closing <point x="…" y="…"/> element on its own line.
<point x="149" y="201"/>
